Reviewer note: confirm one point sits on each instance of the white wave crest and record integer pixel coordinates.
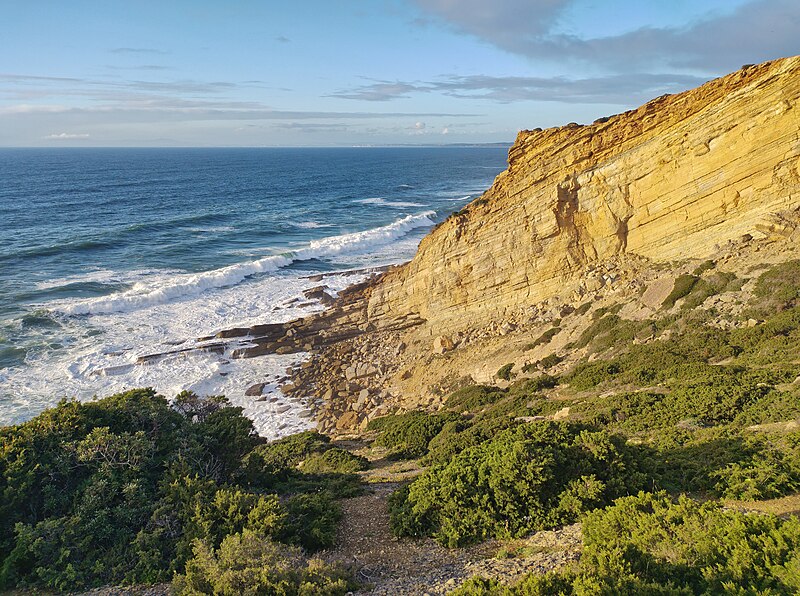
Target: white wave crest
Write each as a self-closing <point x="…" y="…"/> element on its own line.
<point x="143" y="295"/>
<point x="387" y="203"/>
<point x="310" y="225"/>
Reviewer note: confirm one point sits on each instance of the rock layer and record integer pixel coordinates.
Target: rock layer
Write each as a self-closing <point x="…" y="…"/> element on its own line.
<point x="672" y="179"/>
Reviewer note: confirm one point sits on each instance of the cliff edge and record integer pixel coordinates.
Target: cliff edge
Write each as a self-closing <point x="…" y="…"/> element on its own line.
<point x="666" y="181"/>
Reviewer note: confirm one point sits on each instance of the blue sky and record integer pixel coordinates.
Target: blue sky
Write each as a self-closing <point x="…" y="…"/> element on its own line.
<point x="357" y="72"/>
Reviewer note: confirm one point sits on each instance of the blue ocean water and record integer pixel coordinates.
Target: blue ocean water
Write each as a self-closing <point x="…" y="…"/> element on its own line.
<point x="108" y="254"/>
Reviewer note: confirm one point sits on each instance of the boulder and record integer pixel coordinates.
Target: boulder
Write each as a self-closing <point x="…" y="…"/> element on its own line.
<point x="658" y="291"/>
<point x="347" y="420"/>
<point x="442" y="344"/>
<point x="318" y="293"/>
<point x="255" y="390"/>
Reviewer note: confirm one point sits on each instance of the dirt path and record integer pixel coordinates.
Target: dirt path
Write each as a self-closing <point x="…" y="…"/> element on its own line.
<point x="388" y="566"/>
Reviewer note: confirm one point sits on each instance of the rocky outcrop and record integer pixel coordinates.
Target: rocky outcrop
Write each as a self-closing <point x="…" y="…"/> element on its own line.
<point x="673" y="179"/>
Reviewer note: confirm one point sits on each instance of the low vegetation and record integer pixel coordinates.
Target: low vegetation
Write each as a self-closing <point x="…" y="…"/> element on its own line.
<point x="650" y="544"/>
<point x="131" y="490"/>
<point x="679" y="413"/>
<point x="527" y="478"/>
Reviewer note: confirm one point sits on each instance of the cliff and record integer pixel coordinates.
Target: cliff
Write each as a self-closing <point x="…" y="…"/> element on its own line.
<point x="624" y="215"/>
<point x="672" y="179"/>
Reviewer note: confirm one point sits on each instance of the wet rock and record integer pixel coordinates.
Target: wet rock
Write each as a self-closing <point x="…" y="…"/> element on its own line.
<point x="318" y="293"/>
<point x="255" y="390"/>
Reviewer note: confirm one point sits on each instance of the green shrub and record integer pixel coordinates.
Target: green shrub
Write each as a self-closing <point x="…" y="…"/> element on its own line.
<point x="334" y="461"/>
<point x="550" y="361"/>
<point x="289" y="452"/>
<point x="116" y="490"/>
<point x="457" y="436"/>
<point x="526" y="478"/>
<point x="504" y="372"/>
<point x="249" y="563"/>
<point x="312" y="520"/>
<point x="683" y="285"/>
<point x="709" y="286"/>
<point x="472" y="398"/>
<point x="649" y="541"/>
<point x="588" y="375"/>
<point x="649" y="544"/>
<point x="706" y="265"/>
<point x="533" y="386"/>
<point x="776" y="406"/>
<point x="544" y="338"/>
<point x="777" y="289"/>
<point x="406" y="436"/>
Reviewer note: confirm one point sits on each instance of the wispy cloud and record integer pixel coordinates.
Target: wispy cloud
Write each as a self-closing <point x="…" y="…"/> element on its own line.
<point x="753" y="32"/>
<point x="618" y="88"/>
<point x="163" y="113"/>
<point x="142" y="100"/>
<point x="138" y="51"/>
<point x="151" y="67"/>
<point x="67" y="136"/>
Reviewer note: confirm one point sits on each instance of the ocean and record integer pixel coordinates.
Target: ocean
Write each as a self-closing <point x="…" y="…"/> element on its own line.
<point x="110" y="254"/>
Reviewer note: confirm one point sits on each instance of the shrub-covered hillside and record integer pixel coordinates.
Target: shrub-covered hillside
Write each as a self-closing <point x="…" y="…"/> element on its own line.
<point x="129" y="489"/>
<point x="700" y="410"/>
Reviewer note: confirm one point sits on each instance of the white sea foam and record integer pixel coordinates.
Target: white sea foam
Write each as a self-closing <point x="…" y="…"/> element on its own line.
<point x="211" y="229"/>
<point x="387" y="203"/>
<point x="310" y="225"/>
<point x="103" y="276"/>
<point x="149" y="293"/>
<point x="101" y="355"/>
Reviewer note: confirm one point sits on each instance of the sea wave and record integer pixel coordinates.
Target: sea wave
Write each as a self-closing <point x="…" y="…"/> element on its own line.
<point x="310" y="225"/>
<point x="143" y="294"/>
<point x="387" y="203"/>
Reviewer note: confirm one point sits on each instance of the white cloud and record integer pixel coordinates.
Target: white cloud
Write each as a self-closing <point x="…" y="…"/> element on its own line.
<point x="62" y="136"/>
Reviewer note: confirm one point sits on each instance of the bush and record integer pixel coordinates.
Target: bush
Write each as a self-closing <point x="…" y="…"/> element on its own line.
<point x="334" y="461"/>
<point x="648" y="544"/>
<point x="527" y="478"/>
<point x="533" y="386"/>
<point x="472" y="398"/>
<point x="709" y="286"/>
<point x="504" y="372"/>
<point x="312" y="520"/>
<point x="116" y="490"/>
<point x="777" y="289"/>
<point x="406" y="436"/>
<point x="544" y="338"/>
<point x="588" y="375"/>
<point x="289" y="452"/>
<point x="683" y="285"/>
<point x="249" y="563"/>
<point x="457" y="436"/>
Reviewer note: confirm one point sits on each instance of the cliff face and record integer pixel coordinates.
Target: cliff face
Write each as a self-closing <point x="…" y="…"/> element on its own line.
<point x="670" y="180"/>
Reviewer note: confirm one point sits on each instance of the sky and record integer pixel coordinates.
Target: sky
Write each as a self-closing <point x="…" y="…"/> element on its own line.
<point x="357" y="72"/>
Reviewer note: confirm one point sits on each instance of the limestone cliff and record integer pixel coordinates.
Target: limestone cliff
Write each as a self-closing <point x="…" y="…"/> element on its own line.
<point x="666" y="181"/>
